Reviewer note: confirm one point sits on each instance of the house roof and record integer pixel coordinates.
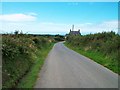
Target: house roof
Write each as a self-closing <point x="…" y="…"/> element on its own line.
<point x="74" y="32"/>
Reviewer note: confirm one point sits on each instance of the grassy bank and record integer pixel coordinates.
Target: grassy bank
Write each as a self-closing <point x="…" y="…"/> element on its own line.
<point x="30" y="79"/>
<point x="103" y="48"/>
<point x="97" y="57"/>
<point x="22" y="54"/>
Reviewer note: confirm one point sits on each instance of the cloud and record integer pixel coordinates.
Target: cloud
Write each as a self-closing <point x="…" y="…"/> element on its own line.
<point x="110" y="24"/>
<point x="32" y="14"/>
<point x="88" y="27"/>
<point x="36" y="28"/>
<point x="60" y="28"/>
<point x="17" y="17"/>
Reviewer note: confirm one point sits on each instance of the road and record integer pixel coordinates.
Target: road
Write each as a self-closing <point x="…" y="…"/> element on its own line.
<point x="65" y="68"/>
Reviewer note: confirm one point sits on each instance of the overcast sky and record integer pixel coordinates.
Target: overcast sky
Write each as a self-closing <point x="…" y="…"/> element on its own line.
<point x="58" y="17"/>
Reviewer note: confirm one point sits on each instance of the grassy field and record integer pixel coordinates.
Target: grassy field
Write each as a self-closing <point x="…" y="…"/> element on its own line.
<point x="29" y="80"/>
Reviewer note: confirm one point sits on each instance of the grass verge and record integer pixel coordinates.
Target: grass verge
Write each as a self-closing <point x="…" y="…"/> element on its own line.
<point x="30" y="79"/>
<point x="97" y="57"/>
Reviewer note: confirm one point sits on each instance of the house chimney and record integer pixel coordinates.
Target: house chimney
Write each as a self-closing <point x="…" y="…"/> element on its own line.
<point x="73" y="27"/>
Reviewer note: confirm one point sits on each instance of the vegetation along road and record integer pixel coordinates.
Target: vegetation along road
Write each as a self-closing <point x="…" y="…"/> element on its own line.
<point x="65" y="68"/>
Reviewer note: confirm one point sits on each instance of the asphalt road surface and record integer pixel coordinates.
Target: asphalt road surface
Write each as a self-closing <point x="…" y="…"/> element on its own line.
<point x="65" y="68"/>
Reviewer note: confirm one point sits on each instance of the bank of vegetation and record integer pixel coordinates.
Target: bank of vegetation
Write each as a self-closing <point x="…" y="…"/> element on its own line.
<point x="103" y="48"/>
<point x="22" y="57"/>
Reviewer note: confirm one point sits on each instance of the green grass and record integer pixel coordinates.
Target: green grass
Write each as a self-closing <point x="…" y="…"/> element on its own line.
<point x="30" y="79"/>
<point x="97" y="57"/>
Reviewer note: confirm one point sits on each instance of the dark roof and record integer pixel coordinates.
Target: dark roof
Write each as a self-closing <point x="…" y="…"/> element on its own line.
<point x="75" y="32"/>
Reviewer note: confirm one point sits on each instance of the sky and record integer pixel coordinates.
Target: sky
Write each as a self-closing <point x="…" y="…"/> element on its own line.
<point x="58" y="17"/>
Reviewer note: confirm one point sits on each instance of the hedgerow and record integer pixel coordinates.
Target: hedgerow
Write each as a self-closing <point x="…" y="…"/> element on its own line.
<point x="105" y="43"/>
<point x="18" y="56"/>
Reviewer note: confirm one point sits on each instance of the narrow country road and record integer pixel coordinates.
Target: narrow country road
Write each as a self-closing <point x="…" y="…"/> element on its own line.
<point x="65" y="68"/>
